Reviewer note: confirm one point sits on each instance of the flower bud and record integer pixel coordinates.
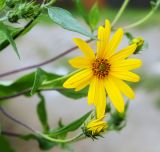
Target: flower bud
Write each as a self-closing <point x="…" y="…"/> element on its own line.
<point x="11" y="3"/>
<point x="13" y="17"/>
<point x="139" y="41"/>
<point x="95" y="128"/>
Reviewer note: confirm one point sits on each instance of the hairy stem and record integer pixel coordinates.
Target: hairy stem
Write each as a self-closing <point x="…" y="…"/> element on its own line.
<point x="121" y="10"/>
<point x="144" y="18"/>
<point x="15" y="120"/>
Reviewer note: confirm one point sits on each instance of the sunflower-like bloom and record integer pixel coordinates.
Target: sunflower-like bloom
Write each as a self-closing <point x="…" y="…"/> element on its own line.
<point x="95" y="127"/>
<point x="106" y="71"/>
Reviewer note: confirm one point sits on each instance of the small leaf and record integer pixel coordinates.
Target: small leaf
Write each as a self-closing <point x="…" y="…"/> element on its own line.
<point x="129" y="36"/>
<point x="2" y="4"/>
<point x="5" y="145"/>
<point x="66" y="20"/>
<point x="94" y="16"/>
<point x="7" y="34"/>
<point x="43" y="143"/>
<point x="71" y="127"/>
<point x="40" y="76"/>
<point x="42" y="114"/>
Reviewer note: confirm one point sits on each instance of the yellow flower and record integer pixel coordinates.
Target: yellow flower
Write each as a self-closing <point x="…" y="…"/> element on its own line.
<point x="95" y="127"/>
<point x="106" y="71"/>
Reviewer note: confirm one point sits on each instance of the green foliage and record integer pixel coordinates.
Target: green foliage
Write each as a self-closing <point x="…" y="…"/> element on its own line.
<point x="117" y="120"/>
<point x="2" y="4"/>
<point x="39" y="81"/>
<point x="42" y="113"/>
<point x="70" y="127"/>
<point x="66" y="20"/>
<point x="94" y="16"/>
<point x="5" y="145"/>
<point x="40" y="77"/>
<point x="7" y="34"/>
<point x="43" y="143"/>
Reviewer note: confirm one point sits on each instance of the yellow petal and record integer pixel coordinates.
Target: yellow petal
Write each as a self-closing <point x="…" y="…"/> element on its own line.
<point x="103" y="39"/>
<point x="128" y="64"/>
<point x="84" y="83"/>
<point x="101" y="102"/>
<point x="113" y="44"/>
<point x="97" y="96"/>
<point x="78" y="78"/>
<point x="124" y="88"/>
<point x="124" y="53"/>
<point x="84" y="47"/>
<point x="125" y="75"/>
<point x="92" y="90"/>
<point x="114" y="95"/>
<point x="100" y="41"/>
<point x="80" y="62"/>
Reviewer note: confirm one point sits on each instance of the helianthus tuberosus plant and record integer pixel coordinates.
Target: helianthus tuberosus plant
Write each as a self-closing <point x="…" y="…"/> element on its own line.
<point x="101" y="76"/>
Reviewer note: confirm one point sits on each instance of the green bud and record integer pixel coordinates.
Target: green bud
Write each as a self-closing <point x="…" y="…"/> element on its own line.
<point x="28" y="10"/>
<point x="13" y="17"/>
<point x="139" y="41"/>
<point x="11" y="3"/>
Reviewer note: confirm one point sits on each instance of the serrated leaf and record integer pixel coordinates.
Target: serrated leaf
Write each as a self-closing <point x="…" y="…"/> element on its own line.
<point x="2" y="4"/>
<point x="71" y="127"/>
<point x="42" y="113"/>
<point x="94" y="16"/>
<point x="5" y="145"/>
<point x="66" y="20"/>
<point x="7" y="34"/>
<point x="43" y="143"/>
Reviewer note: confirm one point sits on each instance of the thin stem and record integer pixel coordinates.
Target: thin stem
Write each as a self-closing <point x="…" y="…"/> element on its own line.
<point x="11" y="134"/>
<point x="15" y="95"/>
<point x="15" y="120"/>
<point x="121" y="10"/>
<point x="40" y="64"/>
<point x="144" y="18"/>
<point x="50" y="3"/>
<point x="61" y="140"/>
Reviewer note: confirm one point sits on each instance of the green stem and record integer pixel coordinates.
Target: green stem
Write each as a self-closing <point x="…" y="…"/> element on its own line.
<point x="75" y="138"/>
<point x="3" y="19"/>
<point x="50" y="3"/>
<point x="144" y="18"/>
<point x="121" y="10"/>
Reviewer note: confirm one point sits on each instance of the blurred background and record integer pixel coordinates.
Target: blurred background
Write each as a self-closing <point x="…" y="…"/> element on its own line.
<point x="142" y="133"/>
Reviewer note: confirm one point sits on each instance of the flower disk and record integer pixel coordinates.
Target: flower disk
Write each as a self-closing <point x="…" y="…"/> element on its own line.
<point x="100" y="68"/>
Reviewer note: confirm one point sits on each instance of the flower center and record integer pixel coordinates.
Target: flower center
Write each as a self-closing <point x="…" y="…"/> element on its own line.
<point x="100" y="67"/>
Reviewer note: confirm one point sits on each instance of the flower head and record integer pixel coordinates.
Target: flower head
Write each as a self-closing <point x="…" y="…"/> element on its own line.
<point x="95" y="127"/>
<point x="106" y="71"/>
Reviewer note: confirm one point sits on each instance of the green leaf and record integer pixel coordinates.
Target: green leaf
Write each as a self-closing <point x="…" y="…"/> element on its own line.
<point x="94" y="16"/>
<point x="43" y="143"/>
<point x="42" y="113"/>
<point x="70" y="127"/>
<point x="2" y="4"/>
<point x="52" y="81"/>
<point x="40" y="76"/>
<point x="5" y="145"/>
<point x="7" y="34"/>
<point x="66" y="20"/>
<point x="81" y="9"/>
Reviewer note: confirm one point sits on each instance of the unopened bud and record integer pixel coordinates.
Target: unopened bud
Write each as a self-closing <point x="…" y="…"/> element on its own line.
<point x="139" y="41"/>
